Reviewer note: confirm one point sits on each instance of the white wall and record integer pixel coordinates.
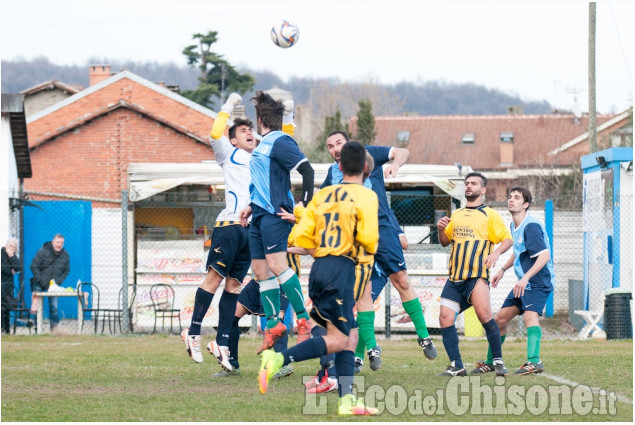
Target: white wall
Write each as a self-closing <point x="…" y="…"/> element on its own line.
<point x="9" y="184"/>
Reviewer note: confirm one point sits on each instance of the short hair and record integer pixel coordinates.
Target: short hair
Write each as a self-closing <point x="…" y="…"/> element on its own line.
<point x="353" y="158"/>
<point x="237" y="123"/>
<point x="523" y="191"/>
<point x="479" y="175"/>
<point x="370" y="161"/>
<point x="12" y="241"/>
<point x="342" y="132"/>
<point x="268" y="110"/>
<point x="58" y="236"/>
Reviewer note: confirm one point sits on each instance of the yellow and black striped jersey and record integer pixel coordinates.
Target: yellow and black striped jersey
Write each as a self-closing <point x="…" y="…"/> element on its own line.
<point x="473" y="232"/>
<point x="340" y="220"/>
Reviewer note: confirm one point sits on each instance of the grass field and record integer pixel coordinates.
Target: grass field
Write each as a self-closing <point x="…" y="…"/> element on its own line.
<point x="150" y="378"/>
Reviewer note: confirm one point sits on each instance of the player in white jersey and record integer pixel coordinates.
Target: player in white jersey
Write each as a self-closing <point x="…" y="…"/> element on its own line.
<point x="229" y="256"/>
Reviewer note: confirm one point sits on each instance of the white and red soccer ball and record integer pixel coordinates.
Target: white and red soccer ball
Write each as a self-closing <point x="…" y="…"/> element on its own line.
<point x="285" y="34"/>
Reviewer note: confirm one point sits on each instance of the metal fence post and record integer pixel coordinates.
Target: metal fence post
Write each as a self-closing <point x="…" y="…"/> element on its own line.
<point x="388" y="301"/>
<point x="125" y="320"/>
<point x="549" y="229"/>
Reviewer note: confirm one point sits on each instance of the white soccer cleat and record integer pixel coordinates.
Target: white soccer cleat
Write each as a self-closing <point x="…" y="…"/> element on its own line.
<point x="192" y="345"/>
<point x="221" y="353"/>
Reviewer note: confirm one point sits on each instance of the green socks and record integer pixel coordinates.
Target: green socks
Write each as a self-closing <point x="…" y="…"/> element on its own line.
<point x="534" y="333"/>
<point x="490" y="357"/>
<point x="414" y="310"/>
<point x="366" y="322"/>
<point x="290" y="284"/>
<point x="270" y="300"/>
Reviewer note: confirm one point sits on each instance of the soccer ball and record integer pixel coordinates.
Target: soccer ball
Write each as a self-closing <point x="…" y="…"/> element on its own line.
<point x="285" y="34"/>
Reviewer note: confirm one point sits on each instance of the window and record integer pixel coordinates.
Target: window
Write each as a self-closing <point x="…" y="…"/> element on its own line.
<point x="403" y="136"/>
<point x="507" y="137"/>
<point x="468" y="138"/>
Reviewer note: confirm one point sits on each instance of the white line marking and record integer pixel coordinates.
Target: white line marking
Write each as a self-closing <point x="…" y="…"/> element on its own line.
<point x="620" y="397"/>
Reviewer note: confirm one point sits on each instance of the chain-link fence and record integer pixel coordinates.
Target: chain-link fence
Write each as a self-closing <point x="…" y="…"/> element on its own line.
<point x="164" y="239"/>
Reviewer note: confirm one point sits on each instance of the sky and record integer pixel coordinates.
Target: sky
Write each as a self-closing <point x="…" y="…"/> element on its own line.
<point x="535" y="50"/>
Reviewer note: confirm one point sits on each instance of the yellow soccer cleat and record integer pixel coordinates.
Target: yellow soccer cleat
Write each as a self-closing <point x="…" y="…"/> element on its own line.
<point x="269" y="365"/>
<point x="349" y="405"/>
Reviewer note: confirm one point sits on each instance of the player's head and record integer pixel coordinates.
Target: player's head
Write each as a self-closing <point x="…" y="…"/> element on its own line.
<point x="370" y="165"/>
<point x="241" y="136"/>
<point x="475" y="186"/>
<point x="353" y="159"/>
<point x="519" y="199"/>
<point x="268" y="111"/>
<point x="334" y="142"/>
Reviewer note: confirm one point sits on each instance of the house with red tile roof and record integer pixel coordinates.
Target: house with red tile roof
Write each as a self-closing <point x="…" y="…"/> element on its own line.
<point x="506" y="148"/>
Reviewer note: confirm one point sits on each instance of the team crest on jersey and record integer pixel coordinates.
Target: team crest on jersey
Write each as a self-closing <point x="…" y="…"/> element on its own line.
<point x="520" y="239"/>
<point x="264" y="149"/>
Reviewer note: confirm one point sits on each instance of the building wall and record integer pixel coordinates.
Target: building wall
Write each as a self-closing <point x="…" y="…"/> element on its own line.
<point x="93" y="158"/>
<point x="41" y="100"/>
<point x="9" y="184"/>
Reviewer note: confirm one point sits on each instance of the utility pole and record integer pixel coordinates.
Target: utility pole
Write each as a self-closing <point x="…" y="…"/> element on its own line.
<point x="593" y="131"/>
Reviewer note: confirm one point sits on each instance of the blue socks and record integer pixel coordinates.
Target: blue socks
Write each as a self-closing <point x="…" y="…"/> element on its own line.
<point x="493" y="335"/>
<point x="327" y="361"/>
<point x="226" y="310"/>
<point x="232" y="343"/>
<point x="309" y="349"/>
<point x="202" y="301"/>
<point x="451" y="344"/>
<point x="345" y="366"/>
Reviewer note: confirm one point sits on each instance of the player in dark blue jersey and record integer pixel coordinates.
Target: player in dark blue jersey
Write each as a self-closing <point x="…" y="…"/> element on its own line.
<point x="389" y="255"/>
<point x="532" y="263"/>
<point x="270" y="167"/>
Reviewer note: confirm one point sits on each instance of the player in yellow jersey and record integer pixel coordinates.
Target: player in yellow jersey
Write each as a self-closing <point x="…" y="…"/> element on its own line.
<point x="338" y="222"/>
<point x="473" y="232"/>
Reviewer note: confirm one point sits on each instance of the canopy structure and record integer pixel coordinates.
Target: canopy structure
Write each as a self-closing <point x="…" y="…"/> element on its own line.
<point x="148" y="179"/>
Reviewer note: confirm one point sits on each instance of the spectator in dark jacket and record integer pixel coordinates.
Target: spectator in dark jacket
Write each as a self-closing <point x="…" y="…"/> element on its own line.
<point x="10" y="266"/>
<point x="50" y="263"/>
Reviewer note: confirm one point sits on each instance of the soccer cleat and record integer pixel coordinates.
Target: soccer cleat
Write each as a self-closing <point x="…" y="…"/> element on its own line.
<point x="327" y="385"/>
<point x="429" y="350"/>
<point x="454" y="371"/>
<point x="349" y="405"/>
<point x="529" y="368"/>
<point x="221" y="353"/>
<point x="500" y="368"/>
<point x="270" y="363"/>
<point x="482" y="367"/>
<point x="224" y="373"/>
<point x="271" y="336"/>
<point x="304" y="330"/>
<point x="374" y="358"/>
<point x="284" y="371"/>
<point x="359" y="363"/>
<point x="192" y="345"/>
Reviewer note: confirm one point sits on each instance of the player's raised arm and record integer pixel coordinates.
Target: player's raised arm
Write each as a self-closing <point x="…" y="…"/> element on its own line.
<point x="399" y="157"/>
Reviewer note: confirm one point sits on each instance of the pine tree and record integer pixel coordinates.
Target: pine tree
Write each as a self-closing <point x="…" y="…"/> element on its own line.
<point x="365" y="122"/>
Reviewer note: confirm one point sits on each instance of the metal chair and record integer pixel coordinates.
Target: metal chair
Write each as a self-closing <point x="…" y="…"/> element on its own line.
<point x="88" y="294"/>
<point x="21" y="311"/>
<point x="162" y="296"/>
<point x="120" y="310"/>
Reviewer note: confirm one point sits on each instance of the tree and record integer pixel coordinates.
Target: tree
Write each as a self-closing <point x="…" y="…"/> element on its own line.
<point x="365" y="122"/>
<point x="217" y="75"/>
<point x="319" y="152"/>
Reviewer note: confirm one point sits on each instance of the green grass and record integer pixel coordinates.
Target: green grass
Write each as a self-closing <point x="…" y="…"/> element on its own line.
<point x="150" y="378"/>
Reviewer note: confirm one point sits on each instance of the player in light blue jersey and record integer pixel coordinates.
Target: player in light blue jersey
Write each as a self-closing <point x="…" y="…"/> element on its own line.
<point x="389" y="254"/>
<point x="271" y="165"/>
<point x="533" y="266"/>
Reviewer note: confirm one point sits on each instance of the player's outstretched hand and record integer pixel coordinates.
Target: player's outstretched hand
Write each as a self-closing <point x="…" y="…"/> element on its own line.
<point x="286" y="215"/>
<point x="497" y="277"/>
<point x="233" y="100"/>
<point x="244" y="216"/>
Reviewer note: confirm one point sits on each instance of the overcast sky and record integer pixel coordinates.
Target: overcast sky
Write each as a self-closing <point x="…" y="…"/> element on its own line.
<point x="536" y="50"/>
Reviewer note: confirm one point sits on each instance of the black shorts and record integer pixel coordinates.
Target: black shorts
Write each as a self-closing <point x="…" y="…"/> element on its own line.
<point x="456" y="295"/>
<point x="229" y="254"/>
<point x="249" y="298"/>
<point x="331" y="291"/>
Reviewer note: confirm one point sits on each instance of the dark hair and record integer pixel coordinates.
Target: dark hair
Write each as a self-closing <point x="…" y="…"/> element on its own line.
<point x="342" y="132"/>
<point x="523" y="191"/>
<point x="268" y="110"/>
<point x="479" y="175"/>
<point x="237" y="123"/>
<point x="353" y="158"/>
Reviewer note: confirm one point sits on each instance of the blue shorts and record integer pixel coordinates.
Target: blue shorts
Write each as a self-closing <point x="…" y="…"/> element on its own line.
<point x="229" y="254"/>
<point x="249" y="298"/>
<point x="533" y="300"/>
<point x="456" y="295"/>
<point x="389" y="254"/>
<point x="331" y="292"/>
<point x="378" y="282"/>
<point x="268" y="233"/>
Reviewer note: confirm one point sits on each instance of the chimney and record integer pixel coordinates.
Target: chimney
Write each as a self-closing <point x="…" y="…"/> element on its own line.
<point x="506" y="149"/>
<point x="98" y="73"/>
